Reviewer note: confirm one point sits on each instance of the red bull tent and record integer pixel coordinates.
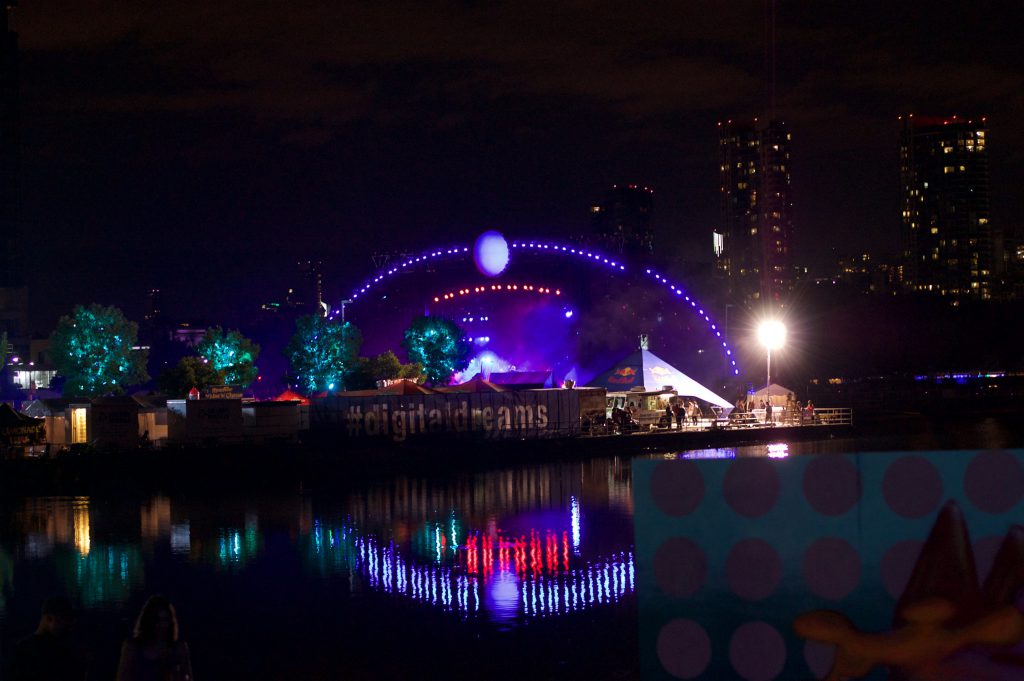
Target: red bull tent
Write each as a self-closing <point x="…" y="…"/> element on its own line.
<point x="645" y="369"/>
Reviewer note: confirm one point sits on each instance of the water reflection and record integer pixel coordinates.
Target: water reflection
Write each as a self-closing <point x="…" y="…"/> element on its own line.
<point x="107" y="575"/>
<point x="503" y="546"/>
<point x="508" y="545"/>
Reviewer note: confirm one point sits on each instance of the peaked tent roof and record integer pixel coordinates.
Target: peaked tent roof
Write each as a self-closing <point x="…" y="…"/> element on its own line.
<point x="644" y="369"/>
<point x="775" y="392"/>
<point x="401" y="387"/>
<point x="473" y="385"/>
<point x="290" y="395"/>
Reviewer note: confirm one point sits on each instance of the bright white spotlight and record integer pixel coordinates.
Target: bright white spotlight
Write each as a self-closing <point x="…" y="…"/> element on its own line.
<point x="771" y="334"/>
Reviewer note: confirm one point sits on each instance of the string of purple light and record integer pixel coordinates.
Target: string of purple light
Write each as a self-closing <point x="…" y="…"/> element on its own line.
<point x="558" y="249"/>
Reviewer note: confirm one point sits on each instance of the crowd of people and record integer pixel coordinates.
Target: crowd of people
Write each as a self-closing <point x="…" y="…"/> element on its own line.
<point x="153" y="652"/>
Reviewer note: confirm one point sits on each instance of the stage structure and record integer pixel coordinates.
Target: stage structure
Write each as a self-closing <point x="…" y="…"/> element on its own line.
<point x="532" y="305"/>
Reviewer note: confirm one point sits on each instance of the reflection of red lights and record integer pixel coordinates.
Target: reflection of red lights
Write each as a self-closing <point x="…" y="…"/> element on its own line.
<point x="537" y="553"/>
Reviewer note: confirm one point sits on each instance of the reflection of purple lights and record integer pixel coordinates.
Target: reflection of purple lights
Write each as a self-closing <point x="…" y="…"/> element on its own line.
<point x="778" y="450"/>
<point x="512" y="585"/>
<point x="596" y="584"/>
<point x="574" y="521"/>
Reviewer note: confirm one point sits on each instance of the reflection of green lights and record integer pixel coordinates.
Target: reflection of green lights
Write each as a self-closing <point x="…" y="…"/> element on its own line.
<point x="427" y="542"/>
<point x="106" y="575"/>
<point x="236" y="548"/>
<point x="333" y="556"/>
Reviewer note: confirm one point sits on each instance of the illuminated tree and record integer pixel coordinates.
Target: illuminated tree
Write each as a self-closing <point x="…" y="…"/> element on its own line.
<point x="230" y="353"/>
<point x="190" y="372"/>
<point x="321" y="353"/>
<point x="92" y="349"/>
<point x="439" y="345"/>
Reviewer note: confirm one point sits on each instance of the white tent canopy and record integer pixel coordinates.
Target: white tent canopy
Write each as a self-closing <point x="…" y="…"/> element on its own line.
<point x="775" y="393"/>
<point x="645" y="369"/>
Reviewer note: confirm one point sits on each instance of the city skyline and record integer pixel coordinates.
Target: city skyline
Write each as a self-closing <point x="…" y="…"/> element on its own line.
<point x="205" y="152"/>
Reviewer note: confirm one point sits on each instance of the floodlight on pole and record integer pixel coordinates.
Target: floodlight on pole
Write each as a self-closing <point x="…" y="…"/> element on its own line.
<point x="772" y="336"/>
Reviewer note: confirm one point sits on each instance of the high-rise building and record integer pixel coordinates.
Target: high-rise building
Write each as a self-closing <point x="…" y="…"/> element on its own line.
<point x="753" y="244"/>
<point x="622" y="221"/>
<point x="945" y="208"/>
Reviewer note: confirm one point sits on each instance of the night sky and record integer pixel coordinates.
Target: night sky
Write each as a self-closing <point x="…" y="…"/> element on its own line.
<point x="204" y="147"/>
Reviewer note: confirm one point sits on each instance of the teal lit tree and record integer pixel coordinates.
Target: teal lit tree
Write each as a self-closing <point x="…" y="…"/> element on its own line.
<point x="230" y="353"/>
<point x="322" y="353"/>
<point x="439" y="346"/>
<point x="92" y="349"/>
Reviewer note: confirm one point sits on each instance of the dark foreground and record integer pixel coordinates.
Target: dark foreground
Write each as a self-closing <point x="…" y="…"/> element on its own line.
<point x="317" y="564"/>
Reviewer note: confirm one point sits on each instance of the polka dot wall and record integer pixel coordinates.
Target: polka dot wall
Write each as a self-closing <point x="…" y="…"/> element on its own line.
<point x="731" y="551"/>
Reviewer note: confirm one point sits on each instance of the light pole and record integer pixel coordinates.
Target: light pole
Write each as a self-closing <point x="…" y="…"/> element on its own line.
<point x="772" y="336"/>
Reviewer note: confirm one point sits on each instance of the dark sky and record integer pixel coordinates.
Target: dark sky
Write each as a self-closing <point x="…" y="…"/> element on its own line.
<point x="204" y="147"/>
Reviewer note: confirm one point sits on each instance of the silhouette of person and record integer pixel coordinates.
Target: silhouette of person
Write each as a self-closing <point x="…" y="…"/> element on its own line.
<point x="50" y="653"/>
<point x="154" y="652"/>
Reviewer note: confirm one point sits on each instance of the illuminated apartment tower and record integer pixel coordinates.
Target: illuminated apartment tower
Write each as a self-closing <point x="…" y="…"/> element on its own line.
<point x="753" y="245"/>
<point x="622" y="222"/>
<point x="944" y="197"/>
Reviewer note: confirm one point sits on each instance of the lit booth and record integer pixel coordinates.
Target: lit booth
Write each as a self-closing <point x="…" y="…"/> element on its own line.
<point x="66" y="421"/>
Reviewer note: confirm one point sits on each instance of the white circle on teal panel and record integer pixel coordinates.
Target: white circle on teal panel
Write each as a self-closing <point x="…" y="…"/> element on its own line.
<point x="757" y="651"/>
<point x="684" y="649"/>
<point x="490" y="253"/>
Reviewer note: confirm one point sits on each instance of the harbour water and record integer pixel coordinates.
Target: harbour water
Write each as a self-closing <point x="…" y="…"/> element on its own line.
<point x="519" y="572"/>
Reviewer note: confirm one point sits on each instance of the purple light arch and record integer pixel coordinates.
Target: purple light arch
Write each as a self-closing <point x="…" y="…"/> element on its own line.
<point x="539" y="246"/>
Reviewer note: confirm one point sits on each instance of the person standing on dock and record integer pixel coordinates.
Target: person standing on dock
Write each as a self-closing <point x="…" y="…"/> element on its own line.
<point x="768" y="413"/>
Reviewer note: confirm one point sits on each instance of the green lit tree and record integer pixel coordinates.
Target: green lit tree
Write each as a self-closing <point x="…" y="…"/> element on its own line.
<point x="230" y="353"/>
<point x="439" y="346"/>
<point x="383" y="367"/>
<point x="322" y="353"/>
<point x="190" y="372"/>
<point x="92" y="349"/>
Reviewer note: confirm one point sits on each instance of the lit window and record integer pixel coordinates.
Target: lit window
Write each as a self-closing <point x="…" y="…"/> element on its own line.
<point x="947" y="170"/>
<point x="935" y="230"/>
<point x="981" y="134"/>
<point x="947" y="150"/>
